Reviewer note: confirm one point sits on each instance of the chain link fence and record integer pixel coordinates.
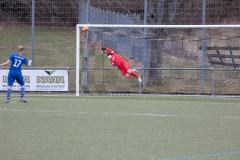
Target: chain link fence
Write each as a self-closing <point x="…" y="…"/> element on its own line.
<point x="182" y="68"/>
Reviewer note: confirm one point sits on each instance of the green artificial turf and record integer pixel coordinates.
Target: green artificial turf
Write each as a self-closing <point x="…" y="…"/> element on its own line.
<point x="119" y="128"/>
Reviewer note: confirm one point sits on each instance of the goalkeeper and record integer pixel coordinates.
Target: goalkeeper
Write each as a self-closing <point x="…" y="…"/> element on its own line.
<point x="118" y="61"/>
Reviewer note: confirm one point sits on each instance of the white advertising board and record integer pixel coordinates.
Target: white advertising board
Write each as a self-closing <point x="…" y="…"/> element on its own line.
<point x="38" y="80"/>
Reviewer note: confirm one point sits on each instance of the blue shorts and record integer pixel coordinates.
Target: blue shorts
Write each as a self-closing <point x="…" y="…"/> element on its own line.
<point x="15" y="75"/>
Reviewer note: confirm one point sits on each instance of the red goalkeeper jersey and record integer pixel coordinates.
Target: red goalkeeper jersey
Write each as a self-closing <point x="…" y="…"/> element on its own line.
<point x="123" y="66"/>
<point x="115" y="60"/>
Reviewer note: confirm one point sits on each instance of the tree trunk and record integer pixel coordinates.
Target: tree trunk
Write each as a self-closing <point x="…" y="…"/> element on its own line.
<point x="156" y="60"/>
<point x="159" y="12"/>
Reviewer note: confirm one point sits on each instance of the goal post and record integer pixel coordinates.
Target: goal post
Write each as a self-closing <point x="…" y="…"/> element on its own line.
<point x="146" y="34"/>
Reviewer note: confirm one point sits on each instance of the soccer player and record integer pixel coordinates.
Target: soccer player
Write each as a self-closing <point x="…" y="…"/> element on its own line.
<point x="123" y="66"/>
<point x="15" y="72"/>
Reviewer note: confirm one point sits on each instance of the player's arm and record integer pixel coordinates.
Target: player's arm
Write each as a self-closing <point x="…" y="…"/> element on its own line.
<point x="29" y="63"/>
<point x="109" y="50"/>
<point x="113" y="63"/>
<point x="26" y="62"/>
<point x="5" y="63"/>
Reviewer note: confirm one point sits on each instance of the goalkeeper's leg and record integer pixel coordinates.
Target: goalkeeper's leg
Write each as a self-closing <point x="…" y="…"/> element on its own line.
<point x="132" y="73"/>
<point x="125" y="69"/>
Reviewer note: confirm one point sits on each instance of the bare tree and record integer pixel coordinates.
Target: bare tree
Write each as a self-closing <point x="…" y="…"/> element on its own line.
<point x="161" y="12"/>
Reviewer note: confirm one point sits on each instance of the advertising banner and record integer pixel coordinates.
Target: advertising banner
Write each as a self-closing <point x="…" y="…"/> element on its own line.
<point x="38" y="80"/>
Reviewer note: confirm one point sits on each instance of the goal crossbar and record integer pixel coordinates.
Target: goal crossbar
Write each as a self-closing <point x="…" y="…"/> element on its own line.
<point x="160" y="26"/>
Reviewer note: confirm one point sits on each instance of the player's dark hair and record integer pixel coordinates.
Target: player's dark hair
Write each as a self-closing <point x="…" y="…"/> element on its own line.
<point x="109" y="53"/>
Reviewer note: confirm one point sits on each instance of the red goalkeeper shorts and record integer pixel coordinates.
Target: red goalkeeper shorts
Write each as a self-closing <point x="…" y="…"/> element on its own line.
<point x="123" y="67"/>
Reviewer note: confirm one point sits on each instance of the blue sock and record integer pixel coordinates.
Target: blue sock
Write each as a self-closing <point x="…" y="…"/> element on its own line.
<point x="9" y="93"/>
<point x="22" y="92"/>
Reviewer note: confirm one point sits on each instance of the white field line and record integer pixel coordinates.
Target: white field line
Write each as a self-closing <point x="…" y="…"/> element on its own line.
<point x="66" y="113"/>
<point x="135" y="101"/>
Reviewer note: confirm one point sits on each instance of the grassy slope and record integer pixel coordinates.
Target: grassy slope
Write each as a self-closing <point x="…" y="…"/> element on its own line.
<point x="52" y="48"/>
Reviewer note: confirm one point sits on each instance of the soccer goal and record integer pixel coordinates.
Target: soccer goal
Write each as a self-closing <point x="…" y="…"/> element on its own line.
<point x="167" y="57"/>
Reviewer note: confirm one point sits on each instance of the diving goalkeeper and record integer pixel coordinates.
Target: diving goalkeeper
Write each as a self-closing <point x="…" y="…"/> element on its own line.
<point x="123" y="66"/>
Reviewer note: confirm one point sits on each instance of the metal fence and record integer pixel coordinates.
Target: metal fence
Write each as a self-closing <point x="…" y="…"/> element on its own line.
<point x="177" y="81"/>
<point x="95" y="15"/>
<point x="47" y="30"/>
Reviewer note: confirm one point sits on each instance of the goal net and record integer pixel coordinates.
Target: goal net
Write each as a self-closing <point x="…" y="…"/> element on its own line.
<point x="168" y="58"/>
